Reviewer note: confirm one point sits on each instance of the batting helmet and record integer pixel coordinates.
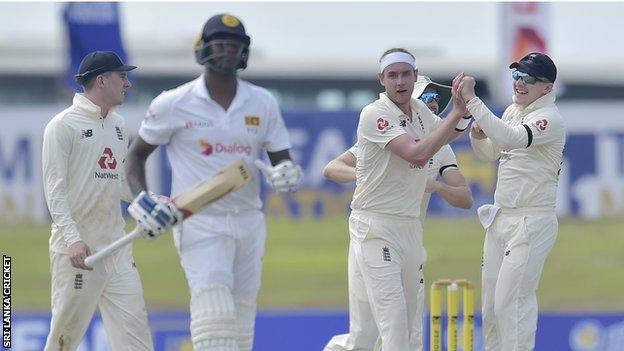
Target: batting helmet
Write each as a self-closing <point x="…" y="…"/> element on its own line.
<point x="220" y="31"/>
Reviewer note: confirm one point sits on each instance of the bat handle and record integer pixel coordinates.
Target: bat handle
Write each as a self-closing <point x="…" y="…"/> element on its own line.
<point x="116" y="245"/>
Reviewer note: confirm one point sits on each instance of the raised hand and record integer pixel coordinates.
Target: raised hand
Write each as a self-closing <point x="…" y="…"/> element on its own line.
<point x="467" y="88"/>
<point x="458" y="101"/>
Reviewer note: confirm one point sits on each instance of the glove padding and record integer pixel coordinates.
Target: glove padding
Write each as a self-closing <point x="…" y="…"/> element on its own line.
<point x="153" y="214"/>
<point x="284" y="178"/>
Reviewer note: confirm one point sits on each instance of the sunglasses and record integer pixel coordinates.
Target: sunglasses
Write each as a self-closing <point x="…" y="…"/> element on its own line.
<point x="526" y="78"/>
<point x="429" y="96"/>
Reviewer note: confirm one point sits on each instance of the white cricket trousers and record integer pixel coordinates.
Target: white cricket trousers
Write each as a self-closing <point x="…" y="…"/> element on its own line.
<point x="516" y="246"/>
<point x="114" y="286"/>
<point x="363" y="333"/>
<point x="221" y="255"/>
<point x="385" y="269"/>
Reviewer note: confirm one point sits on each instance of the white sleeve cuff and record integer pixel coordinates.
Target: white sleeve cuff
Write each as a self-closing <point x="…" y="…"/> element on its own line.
<point x="463" y="124"/>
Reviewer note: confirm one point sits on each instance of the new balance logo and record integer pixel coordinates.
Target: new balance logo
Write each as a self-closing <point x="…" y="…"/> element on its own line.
<point x="385" y="252"/>
<point x="78" y="281"/>
<point x="86" y="133"/>
<point x="403" y="123"/>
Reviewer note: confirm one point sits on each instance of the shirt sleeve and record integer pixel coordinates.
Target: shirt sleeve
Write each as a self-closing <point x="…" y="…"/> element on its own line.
<point x="447" y="158"/>
<point x="126" y="192"/>
<point x="485" y="149"/>
<point x="277" y="135"/>
<point x="353" y="149"/>
<point x="544" y="128"/>
<point x="500" y="133"/>
<point x="157" y="126"/>
<point x="378" y="126"/>
<point x="57" y="145"/>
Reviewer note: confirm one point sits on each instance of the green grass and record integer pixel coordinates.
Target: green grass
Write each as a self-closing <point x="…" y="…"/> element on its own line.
<point x="305" y="264"/>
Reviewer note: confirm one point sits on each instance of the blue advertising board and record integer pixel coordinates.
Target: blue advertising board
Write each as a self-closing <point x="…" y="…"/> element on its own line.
<point x="309" y="330"/>
<point x="591" y="183"/>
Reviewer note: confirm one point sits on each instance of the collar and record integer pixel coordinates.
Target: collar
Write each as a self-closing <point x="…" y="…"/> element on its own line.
<point x="200" y="90"/>
<point x="92" y="110"/>
<point x="414" y="105"/>
<point x="392" y="106"/>
<point x="544" y="101"/>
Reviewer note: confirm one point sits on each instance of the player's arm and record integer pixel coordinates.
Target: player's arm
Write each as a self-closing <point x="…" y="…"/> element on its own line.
<point x="138" y="153"/>
<point x="482" y="146"/>
<point x="156" y="129"/>
<point x="342" y="168"/>
<point x="419" y="152"/>
<point x="453" y="188"/>
<point x="126" y="192"/>
<point x="461" y="126"/>
<point x="57" y="145"/>
<point x="284" y="175"/>
<point x="500" y="133"/>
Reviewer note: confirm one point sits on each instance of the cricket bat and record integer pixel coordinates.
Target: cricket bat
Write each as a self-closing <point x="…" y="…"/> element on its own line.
<point x="190" y="202"/>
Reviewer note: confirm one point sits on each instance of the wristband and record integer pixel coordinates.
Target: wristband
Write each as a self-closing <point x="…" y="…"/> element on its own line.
<point x="463" y="123"/>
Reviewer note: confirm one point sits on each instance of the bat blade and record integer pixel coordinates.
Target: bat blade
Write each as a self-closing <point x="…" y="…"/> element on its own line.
<point x="232" y="177"/>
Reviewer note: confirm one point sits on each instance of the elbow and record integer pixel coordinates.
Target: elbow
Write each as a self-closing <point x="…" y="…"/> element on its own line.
<point x="330" y="172"/>
<point x="467" y="203"/>
<point x="468" y="200"/>
<point x="327" y="171"/>
<point x="420" y="161"/>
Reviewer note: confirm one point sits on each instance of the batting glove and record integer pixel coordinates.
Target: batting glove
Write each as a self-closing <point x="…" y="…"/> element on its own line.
<point x="153" y="215"/>
<point x="284" y="178"/>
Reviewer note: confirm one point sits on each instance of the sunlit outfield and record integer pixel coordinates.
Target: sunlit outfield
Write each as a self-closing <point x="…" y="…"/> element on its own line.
<point x="305" y="264"/>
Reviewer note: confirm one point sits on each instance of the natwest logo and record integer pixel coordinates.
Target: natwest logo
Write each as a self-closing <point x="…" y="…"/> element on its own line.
<point x="219" y="148"/>
<point x="107" y="160"/>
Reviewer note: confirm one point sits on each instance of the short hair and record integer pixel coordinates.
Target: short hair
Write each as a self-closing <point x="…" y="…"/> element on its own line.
<point x="396" y="50"/>
<point x="87" y="83"/>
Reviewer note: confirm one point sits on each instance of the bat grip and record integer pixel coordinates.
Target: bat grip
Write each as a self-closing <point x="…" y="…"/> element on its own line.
<point x="114" y="246"/>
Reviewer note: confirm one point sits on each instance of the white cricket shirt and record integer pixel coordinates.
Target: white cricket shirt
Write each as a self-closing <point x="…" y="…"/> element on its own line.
<point x="443" y="160"/>
<point x="201" y="137"/>
<point x="83" y="175"/>
<point x="529" y="142"/>
<point x="386" y="183"/>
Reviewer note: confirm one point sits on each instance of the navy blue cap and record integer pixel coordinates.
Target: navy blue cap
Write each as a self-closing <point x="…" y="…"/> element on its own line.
<point x="537" y="65"/>
<point x="224" y="24"/>
<point x="99" y="62"/>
